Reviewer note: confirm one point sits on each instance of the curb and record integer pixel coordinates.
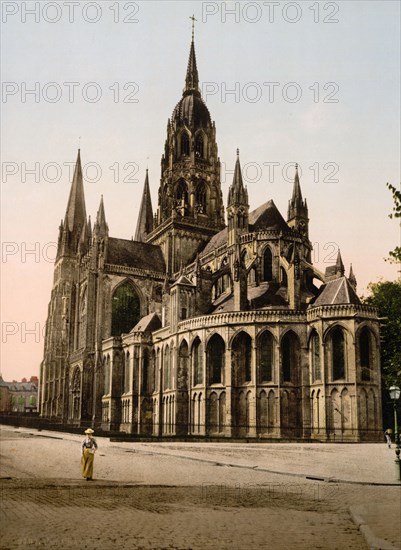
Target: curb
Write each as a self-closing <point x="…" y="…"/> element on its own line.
<point x="375" y="543"/>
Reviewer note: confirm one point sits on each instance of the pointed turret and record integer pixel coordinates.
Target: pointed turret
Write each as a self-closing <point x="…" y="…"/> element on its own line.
<point x="335" y="271"/>
<point x="237" y="194"/>
<point x="237" y="207"/>
<point x="352" y="278"/>
<point x="297" y="207"/>
<point x="145" y="218"/>
<point x="340" y="269"/>
<point x="101" y="228"/>
<point x="75" y="216"/>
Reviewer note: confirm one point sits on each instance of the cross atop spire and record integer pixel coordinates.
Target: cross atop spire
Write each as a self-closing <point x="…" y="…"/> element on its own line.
<point x="193" y="27"/>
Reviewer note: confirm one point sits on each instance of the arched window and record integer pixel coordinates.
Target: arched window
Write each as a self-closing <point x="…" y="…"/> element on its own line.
<point x="125" y="310"/>
<point x="241" y="350"/>
<point x="185" y="144"/>
<point x="181" y="192"/>
<point x="199" y="151"/>
<point x="201" y="197"/>
<point x="267" y="265"/>
<point x="315" y="351"/>
<point x="290" y="357"/>
<point x="266" y="357"/>
<point x="365" y="354"/>
<point x="216" y="359"/>
<point x="221" y="285"/>
<point x="338" y="354"/>
<point x="197" y="358"/>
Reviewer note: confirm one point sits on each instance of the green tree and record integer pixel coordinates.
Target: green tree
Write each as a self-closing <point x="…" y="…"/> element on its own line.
<point x="386" y="296"/>
<point x="395" y="255"/>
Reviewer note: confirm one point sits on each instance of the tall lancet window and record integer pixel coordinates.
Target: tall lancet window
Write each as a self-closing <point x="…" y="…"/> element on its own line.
<point x="267" y="265"/>
<point x="315" y="350"/>
<point x="365" y="354"/>
<point x="125" y="310"/>
<point x="201" y="197"/>
<point x="338" y="353"/>
<point x="199" y="150"/>
<point x="185" y="144"/>
<point x="181" y="193"/>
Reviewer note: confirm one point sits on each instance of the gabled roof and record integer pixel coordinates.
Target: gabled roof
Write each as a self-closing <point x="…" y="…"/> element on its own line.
<point x="135" y="254"/>
<point x="337" y="292"/>
<point x="149" y="323"/>
<point x="267" y="216"/>
<point x="183" y="281"/>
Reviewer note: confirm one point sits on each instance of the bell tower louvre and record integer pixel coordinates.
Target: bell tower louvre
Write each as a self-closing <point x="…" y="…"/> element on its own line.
<point x="190" y="203"/>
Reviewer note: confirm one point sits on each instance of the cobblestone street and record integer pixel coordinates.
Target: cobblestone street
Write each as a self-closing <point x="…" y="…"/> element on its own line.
<point x="154" y="496"/>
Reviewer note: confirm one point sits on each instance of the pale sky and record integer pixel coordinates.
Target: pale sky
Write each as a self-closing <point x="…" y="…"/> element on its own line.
<point x="307" y="82"/>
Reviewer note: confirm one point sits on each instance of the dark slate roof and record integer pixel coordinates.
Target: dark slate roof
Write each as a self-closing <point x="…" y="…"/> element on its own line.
<point x="215" y="242"/>
<point x="18" y="386"/>
<point x="135" y="254"/>
<point x="267" y="216"/>
<point x="337" y="292"/>
<point x="149" y="323"/>
<point x="192" y="110"/>
<point x="264" y="296"/>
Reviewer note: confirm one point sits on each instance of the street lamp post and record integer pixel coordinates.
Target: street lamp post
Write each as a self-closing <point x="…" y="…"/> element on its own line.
<point x="395" y="393"/>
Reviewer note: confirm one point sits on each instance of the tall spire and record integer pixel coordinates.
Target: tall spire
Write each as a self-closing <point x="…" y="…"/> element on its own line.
<point x="145" y="217"/>
<point x="352" y="278"/>
<point x="75" y="215"/>
<point x="192" y="78"/>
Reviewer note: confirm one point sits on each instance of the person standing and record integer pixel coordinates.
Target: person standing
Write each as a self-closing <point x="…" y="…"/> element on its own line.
<point x="89" y="447"/>
<point x="387" y="433"/>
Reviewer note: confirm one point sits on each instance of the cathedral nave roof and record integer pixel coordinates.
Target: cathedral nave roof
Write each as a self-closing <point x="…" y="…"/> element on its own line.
<point x="135" y="254"/>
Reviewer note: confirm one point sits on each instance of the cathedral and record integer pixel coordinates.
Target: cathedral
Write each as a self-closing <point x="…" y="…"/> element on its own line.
<point x="213" y="320"/>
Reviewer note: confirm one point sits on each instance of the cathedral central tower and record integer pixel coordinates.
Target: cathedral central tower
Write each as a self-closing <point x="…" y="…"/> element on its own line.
<point x="190" y="204"/>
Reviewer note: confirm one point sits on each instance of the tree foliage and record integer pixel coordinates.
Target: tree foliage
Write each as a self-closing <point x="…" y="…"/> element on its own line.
<point x="395" y="255"/>
<point x="386" y="296"/>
